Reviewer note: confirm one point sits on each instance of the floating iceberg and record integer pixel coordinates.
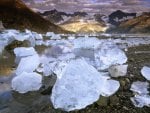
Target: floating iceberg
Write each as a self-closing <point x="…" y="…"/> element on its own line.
<point x="146" y="72"/>
<point x="28" y="64"/>
<point x="26" y="82"/>
<point x="79" y="84"/>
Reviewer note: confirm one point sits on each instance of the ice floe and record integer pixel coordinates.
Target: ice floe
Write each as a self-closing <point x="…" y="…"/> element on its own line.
<point x="146" y="72"/>
<point x="26" y="82"/>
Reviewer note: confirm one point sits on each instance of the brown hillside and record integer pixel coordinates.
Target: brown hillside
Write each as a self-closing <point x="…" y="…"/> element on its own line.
<point x="15" y="14"/>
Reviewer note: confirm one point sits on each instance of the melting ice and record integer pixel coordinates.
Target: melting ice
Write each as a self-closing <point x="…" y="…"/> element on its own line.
<point x="77" y="63"/>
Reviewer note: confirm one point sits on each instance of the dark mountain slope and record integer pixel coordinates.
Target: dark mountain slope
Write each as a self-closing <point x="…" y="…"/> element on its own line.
<point x="15" y="14"/>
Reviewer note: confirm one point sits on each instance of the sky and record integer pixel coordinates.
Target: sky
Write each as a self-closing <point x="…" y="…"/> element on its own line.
<point x="90" y="6"/>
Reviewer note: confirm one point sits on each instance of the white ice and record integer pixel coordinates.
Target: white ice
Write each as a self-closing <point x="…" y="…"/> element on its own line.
<point x="141" y="100"/>
<point x="118" y="70"/>
<point x="26" y="82"/>
<point x="109" y="87"/>
<point x="146" y="72"/>
<point x="87" y="43"/>
<point x="28" y="64"/>
<point x="109" y="54"/>
<point x="24" y="51"/>
<point x="79" y="84"/>
<point x="140" y="87"/>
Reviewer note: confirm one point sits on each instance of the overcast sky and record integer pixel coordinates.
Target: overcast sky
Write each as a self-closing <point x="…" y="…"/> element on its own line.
<point x="90" y="6"/>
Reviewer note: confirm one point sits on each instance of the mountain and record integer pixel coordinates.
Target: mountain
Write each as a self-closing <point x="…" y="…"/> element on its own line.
<point x="58" y="16"/>
<point x="79" y="24"/>
<point x="140" y="24"/>
<point x="15" y="14"/>
<point x="54" y="15"/>
<point x="118" y="16"/>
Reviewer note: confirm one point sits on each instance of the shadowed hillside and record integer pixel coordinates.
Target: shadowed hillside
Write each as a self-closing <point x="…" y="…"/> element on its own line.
<point x="140" y="24"/>
<point x="15" y="14"/>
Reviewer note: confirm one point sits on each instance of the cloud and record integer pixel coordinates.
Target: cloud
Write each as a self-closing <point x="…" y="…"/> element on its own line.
<point x="91" y="6"/>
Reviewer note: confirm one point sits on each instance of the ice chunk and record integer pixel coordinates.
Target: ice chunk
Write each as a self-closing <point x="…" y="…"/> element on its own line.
<point x="27" y="82"/>
<point x="48" y="34"/>
<point x="146" y="72"/>
<point x="37" y="36"/>
<point x="109" y="87"/>
<point x="55" y="37"/>
<point x="141" y="100"/>
<point x="118" y="70"/>
<point x="109" y="54"/>
<point x="79" y="84"/>
<point x="48" y="68"/>
<point x="140" y="87"/>
<point x="24" y="51"/>
<point x="71" y="38"/>
<point x="87" y="43"/>
<point x="28" y="64"/>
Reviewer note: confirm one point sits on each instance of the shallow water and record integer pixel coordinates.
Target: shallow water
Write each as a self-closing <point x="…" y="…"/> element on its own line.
<point x="7" y="64"/>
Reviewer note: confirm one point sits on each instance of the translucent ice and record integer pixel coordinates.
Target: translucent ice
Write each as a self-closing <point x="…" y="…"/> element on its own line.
<point x="28" y="64"/>
<point x="109" y="54"/>
<point x="26" y="82"/>
<point x="86" y="43"/>
<point x="118" y="70"/>
<point x="140" y="87"/>
<point x="141" y="100"/>
<point x="24" y="51"/>
<point x="146" y="72"/>
<point x="79" y="84"/>
<point x="109" y="88"/>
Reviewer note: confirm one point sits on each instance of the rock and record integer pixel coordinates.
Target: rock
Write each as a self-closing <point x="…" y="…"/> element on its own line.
<point x="118" y="70"/>
<point x="26" y="82"/>
<point x="114" y="100"/>
<point x="48" y="83"/>
<point x="146" y="72"/>
<point x="103" y="101"/>
<point x="1" y="26"/>
<point x="14" y="44"/>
